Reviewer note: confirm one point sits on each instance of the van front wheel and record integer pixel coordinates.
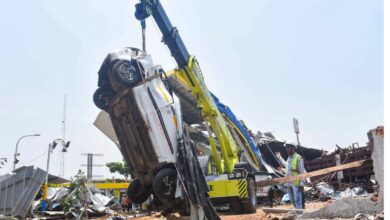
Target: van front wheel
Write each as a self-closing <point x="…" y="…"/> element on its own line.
<point x="102" y="98"/>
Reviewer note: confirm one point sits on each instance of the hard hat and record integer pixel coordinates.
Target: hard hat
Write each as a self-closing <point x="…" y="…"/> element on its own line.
<point x="290" y="143"/>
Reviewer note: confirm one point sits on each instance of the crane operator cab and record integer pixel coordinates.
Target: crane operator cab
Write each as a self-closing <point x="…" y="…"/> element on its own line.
<point x="146" y="121"/>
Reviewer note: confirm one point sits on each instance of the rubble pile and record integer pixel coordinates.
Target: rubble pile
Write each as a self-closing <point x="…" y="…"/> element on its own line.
<point x="323" y="191"/>
<point x="347" y="194"/>
<point x="344" y="208"/>
<point x="78" y="200"/>
<point x="342" y="156"/>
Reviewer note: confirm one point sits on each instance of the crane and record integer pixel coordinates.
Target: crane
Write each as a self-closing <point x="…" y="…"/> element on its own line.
<point x="233" y="178"/>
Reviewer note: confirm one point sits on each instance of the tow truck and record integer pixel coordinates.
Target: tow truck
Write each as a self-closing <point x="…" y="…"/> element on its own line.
<point x="236" y="159"/>
<point x="234" y="188"/>
<point x="140" y="105"/>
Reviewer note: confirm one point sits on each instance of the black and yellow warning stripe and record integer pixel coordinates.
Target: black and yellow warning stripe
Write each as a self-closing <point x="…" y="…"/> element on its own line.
<point x="242" y="188"/>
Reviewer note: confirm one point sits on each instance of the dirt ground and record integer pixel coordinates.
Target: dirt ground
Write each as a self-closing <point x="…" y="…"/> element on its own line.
<point x="308" y="205"/>
<point x="260" y="214"/>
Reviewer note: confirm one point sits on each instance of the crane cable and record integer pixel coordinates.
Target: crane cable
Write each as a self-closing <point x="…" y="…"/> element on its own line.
<point x="143" y="25"/>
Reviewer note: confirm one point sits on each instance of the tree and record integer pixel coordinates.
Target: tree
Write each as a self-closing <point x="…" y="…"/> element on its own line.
<point x="119" y="167"/>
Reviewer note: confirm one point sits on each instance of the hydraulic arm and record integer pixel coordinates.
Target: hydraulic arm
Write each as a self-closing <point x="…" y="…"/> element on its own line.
<point x="189" y="70"/>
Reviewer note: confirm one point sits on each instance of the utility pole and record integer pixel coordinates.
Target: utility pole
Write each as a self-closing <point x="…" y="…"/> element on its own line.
<point x="45" y="186"/>
<point x="50" y="150"/>
<point x="296" y="130"/>
<point x="90" y="165"/>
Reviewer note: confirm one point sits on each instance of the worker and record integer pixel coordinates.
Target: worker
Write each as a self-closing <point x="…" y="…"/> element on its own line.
<point x="126" y="203"/>
<point x="295" y="167"/>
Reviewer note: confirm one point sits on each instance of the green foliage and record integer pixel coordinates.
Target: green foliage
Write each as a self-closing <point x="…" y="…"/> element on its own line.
<point x="67" y="203"/>
<point x="119" y="167"/>
<point x="116" y="180"/>
<point x="78" y="195"/>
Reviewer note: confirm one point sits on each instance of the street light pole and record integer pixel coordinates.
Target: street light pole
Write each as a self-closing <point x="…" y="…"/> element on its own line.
<point x="50" y="150"/>
<point x="16" y="148"/>
<point x="45" y="186"/>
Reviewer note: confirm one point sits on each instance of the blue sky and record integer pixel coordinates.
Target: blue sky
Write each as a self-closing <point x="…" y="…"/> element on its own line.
<point x="320" y="61"/>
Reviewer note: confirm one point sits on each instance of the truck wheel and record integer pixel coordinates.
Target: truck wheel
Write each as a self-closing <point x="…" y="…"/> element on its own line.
<point x="126" y="72"/>
<point x="164" y="183"/>
<point x="235" y="205"/>
<point x="249" y="205"/>
<point x="137" y="193"/>
<point x="102" y="98"/>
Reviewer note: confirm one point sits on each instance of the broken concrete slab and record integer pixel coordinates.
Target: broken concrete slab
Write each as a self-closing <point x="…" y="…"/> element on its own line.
<point x="376" y="137"/>
<point x="343" y="208"/>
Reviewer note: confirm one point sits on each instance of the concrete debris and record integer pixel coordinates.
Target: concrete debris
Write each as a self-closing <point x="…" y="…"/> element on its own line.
<point x="343" y="208"/>
<point x="291" y="215"/>
<point x="376" y="143"/>
<point x="362" y="216"/>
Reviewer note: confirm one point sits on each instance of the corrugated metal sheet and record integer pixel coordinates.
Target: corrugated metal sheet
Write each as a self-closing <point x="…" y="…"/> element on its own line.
<point x="18" y="191"/>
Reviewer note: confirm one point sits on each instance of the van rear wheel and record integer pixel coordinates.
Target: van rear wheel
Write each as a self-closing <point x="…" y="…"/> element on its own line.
<point x="164" y="183"/>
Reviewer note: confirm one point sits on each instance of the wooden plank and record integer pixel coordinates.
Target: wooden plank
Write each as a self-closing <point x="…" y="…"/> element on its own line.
<point x="311" y="174"/>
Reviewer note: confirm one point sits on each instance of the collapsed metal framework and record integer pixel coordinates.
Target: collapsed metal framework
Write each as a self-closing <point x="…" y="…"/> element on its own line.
<point x="18" y="191"/>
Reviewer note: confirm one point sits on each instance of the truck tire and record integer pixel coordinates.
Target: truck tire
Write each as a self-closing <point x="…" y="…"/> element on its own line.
<point x="164" y="183"/>
<point x="126" y="73"/>
<point x="137" y="193"/>
<point x="102" y="98"/>
<point x="235" y="206"/>
<point x="250" y="203"/>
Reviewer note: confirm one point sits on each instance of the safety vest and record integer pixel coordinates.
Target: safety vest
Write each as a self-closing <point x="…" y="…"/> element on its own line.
<point x="294" y="167"/>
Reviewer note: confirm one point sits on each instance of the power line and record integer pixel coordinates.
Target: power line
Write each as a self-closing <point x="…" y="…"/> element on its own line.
<point x="36" y="158"/>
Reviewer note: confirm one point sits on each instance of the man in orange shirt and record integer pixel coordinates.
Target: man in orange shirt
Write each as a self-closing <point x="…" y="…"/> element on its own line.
<point x="126" y="203"/>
